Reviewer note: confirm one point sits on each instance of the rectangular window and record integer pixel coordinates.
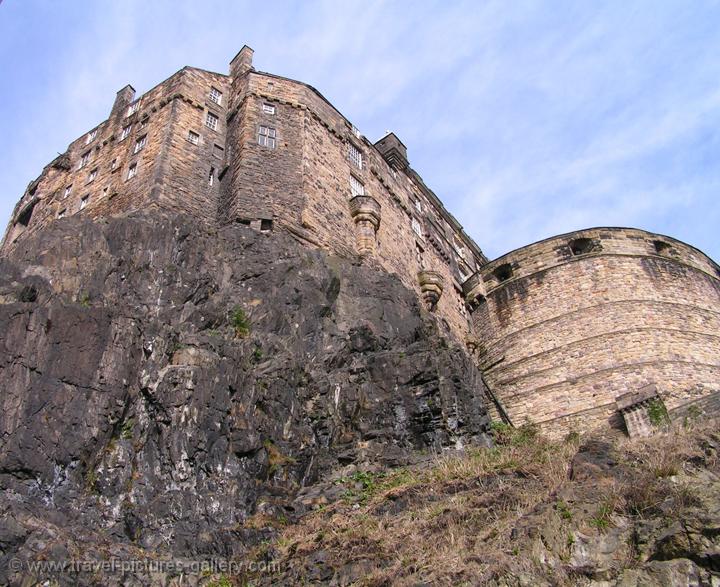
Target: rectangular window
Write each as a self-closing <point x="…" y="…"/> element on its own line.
<point x="211" y="176"/>
<point x="266" y="137"/>
<point x="84" y="201"/>
<point x="62" y="212"/>
<point x="268" y="109"/>
<point x="140" y="143"/>
<point x="132" y="171"/>
<point x="355" y="156"/>
<point x="218" y="151"/>
<point x="90" y="137"/>
<point x="125" y="132"/>
<point x="93" y="175"/>
<point x="417" y="227"/>
<point x="133" y="108"/>
<point x="356" y="132"/>
<point x="84" y="160"/>
<point x="68" y="190"/>
<point x="105" y="191"/>
<point x="211" y="121"/>
<point x="215" y="96"/>
<point x="418" y="205"/>
<point x="113" y="164"/>
<point x="193" y="137"/>
<point x="356" y="187"/>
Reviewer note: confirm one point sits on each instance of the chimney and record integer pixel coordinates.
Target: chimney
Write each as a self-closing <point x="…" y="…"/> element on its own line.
<point x="242" y="62"/>
<point x="393" y="150"/>
<point x="123" y="98"/>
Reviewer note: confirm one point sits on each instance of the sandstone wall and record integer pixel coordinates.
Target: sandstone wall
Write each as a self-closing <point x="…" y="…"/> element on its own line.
<point x="563" y="334"/>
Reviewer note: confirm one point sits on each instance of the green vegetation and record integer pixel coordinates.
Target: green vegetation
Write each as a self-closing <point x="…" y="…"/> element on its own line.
<point x="657" y="412"/>
<point x="126" y="431"/>
<point x="563" y="509"/>
<point x="240" y="322"/>
<point x="84" y="299"/>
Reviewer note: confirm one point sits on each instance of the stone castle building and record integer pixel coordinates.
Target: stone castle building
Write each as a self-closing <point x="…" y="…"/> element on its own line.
<point x="575" y="331"/>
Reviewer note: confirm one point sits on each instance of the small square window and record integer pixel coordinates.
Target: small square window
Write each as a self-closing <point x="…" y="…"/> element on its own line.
<point x="356" y="187"/>
<point x="93" y="175"/>
<point x="84" y="160"/>
<point x="268" y="109"/>
<point x="90" y="137"/>
<point x="84" y="201"/>
<point x="132" y="171"/>
<point x="266" y="137"/>
<point x="193" y="137"/>
<point x="62" y="213"/>
<point x="215" y="96"/>
<point x="133" y="108"/>
<point x="355" y="156"/>
<point x="68" y="190"/>
<point x="211" y="121"/>
<point x="125" y="132"/>
<point x="140" y="143"/>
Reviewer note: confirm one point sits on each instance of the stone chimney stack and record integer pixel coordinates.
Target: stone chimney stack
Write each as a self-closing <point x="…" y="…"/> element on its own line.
<point x="123" y="98"/>
<point x="393" y="150"/>
<point x="242" y="62"/>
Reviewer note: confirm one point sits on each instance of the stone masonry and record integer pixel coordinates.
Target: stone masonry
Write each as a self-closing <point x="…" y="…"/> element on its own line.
<point x="561" y="328"/>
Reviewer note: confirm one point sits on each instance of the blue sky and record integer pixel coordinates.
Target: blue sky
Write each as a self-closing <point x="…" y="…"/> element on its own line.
<point x="528" y="119"/>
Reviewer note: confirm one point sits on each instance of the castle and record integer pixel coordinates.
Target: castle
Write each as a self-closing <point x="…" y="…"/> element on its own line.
<point x="573" y="332"/>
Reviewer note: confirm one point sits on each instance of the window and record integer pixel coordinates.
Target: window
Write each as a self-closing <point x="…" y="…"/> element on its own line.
<point x="211" y="176"/>
<point x="193" y="137"/>
<point x="266" y="137"/>
<point x="105" y="191"/>
<point x="140" y="143"/>
<point x="132" y="171"/>
<point x="133" y="108"/>
<point x="503" y="272"/>
<point x="143" y="122"/>
<point x="84" y="201"/>
<point x="418" y="205"/>
<point x="265" y="225"/>
<point x="211" y="121"/>
<point x="113" y="164"/>
<point x="90" y="137"/>
<point x="581" y="246"/>
<point x="68" y="189"/>
<point x="268" y="109"/>
<point x="125" y="132"/>
<point x="84" y="160"/>
<point x="356" y="187"/>
<point x="93" y="175"/>
<point x="355" y="131"/>
<point x="215" y="96"/>
<point x="218" y="151"/>
<point x="417" y="227"/>
<point x="355" y="156"/>
<point x="62" y="213"/>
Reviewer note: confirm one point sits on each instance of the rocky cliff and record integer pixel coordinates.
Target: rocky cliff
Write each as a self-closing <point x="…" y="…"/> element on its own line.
<point x="163" y="385"/>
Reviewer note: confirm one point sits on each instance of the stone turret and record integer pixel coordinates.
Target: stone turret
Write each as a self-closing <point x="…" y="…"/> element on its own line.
<point x="365" y="211"/>
<point x="431" y="287"/>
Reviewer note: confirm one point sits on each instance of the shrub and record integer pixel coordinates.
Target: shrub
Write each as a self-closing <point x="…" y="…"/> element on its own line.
<point x="657" y="412"/>
<point x="240" y="322"/>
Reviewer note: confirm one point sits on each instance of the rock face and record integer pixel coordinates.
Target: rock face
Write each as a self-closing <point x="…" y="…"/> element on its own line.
<point x="162" y="385"/>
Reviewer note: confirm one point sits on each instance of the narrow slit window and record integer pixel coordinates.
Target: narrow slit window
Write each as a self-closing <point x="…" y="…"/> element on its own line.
<point x="211" y="176"/>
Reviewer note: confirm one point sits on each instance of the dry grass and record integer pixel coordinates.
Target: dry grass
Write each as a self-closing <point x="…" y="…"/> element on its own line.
<point x="460" y="520"/>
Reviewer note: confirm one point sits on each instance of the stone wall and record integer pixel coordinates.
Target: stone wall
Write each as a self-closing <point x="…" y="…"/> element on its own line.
<point x="564" y="333"/>
<point x="170" y="172"/>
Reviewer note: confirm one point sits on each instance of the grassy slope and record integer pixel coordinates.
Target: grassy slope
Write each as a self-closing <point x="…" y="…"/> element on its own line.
<point x="529" y="511"/>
